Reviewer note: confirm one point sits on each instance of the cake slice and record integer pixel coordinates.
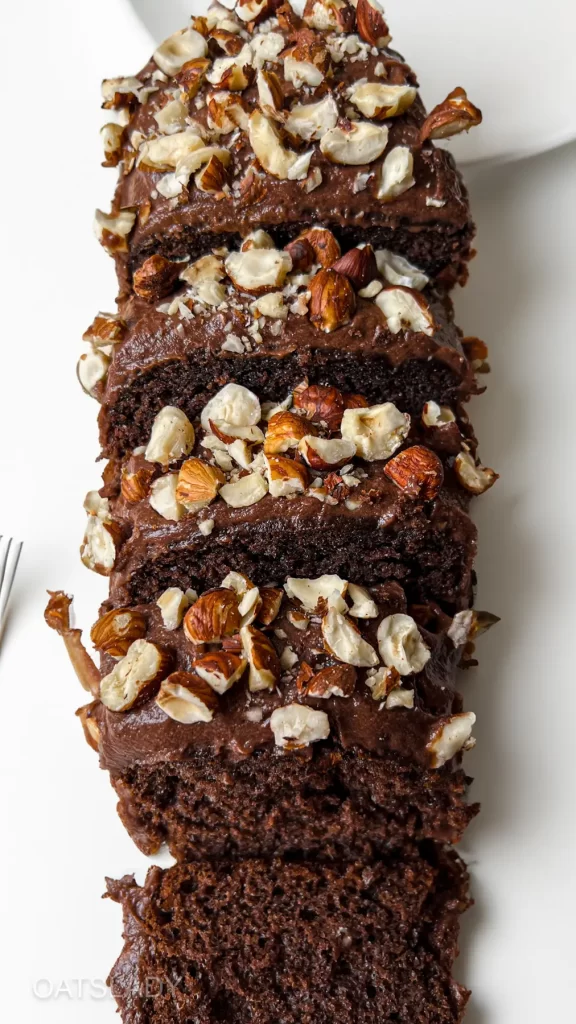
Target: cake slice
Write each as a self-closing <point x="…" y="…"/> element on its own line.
<point x="329" y="485"/>
<point x="259" y="942"/>
<point x="267" y="119"/>
<point x="262" y="317"/>
<point x="312" y="715"/>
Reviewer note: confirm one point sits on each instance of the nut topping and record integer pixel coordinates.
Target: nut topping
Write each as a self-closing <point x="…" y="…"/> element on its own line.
<point x="163" y="498"/>
<point x="453" y="734"/>
<point x="265" y="669"/>
<point x="417" y="471"/>
<point x="354" y="142"/>
<point x="358" y="265"/>
<point x="136" y="483"/>
<point x="258" y="270"/>
<point x="285" y="430"/>
<point x="234" y="406"/>
<point x="324" y="245"/>
<point x="178" y="49"/>
<point x="323" y="453"/>
<point x="315" y="595"/>
<point x="405" y="310"/>
<point x="295" y="726"/>
<point x="271" y="601"/>
<point x="213" y="616"/>
<point x="57" y="617"/>
<point x="396" y="270"/>
<point x="397" y="174"/>
<point x="112" y="230"/>
<point x="285" y="476"/>
<point x="155" y="278"/>
<point x="456" y="114"/>
<point x="212" y="178"/>
<point x="247" y="490"/>
<point x="98" y="550"/>
<point x="329" y="15"/>
<point x="198" y="484"/>
<point x="321" y="404"/>
<point x="173" y="603"/>
<point x="310" y="121"/>
<point x="476" y="479"/>
<point x="187" y="698"/>
<point x="434" y="415"/>
<point x="91" y="370"/>
<point x="191" y="77"/>
<point x="376" y="431"/>
<point x="380" y="100"/>
<point x="343" y="640"/>
<point x="116" y="630"/>
<point x="274" y="157"/>
<point x="363" y="607"/>
<point x="372" y="27"/>
<point x="332" y="301"/>
<point x="332" y="681"/>
<point x="172" y="436"/>
<point x="220" y="669"/>
<point x="134" y="677"/>
<point x="401" y="645"/>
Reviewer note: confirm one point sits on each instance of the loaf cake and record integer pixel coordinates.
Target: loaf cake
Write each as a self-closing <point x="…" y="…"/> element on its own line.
<point x="259" y="941"/>
<point x="325" y="718"/>
<point x="266" y="318"/>
<point x="284" y="519"/>
<point x="281" y="122"/>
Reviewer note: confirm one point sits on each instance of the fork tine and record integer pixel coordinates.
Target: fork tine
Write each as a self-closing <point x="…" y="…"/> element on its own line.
<point x="7" y="576"/>
<point x="3" y="567"/>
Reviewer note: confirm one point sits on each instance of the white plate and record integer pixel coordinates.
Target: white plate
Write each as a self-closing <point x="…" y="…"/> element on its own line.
<point x="514" y="57"/>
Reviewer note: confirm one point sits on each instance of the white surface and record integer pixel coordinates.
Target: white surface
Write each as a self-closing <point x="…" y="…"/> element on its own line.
<point x="514" y="57"/>
<point x="60" y="831"/>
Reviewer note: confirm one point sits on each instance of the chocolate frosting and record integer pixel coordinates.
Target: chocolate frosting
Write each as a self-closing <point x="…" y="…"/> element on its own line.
<point x="437" y="201"/>
<point x="146" y="736"/>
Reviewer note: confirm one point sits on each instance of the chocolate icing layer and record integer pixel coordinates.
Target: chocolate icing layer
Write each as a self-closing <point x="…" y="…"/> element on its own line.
<point x="145" y="736"/>
<point x="429" y="222"/>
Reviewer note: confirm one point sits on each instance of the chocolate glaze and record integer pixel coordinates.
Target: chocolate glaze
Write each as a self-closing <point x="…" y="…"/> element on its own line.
<point x="145" y="736"/>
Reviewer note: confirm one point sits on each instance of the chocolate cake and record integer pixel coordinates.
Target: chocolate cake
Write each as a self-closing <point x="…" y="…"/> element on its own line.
<point x="316" y="715"/>
<point x="284" y="521"/>
<point x="283" y="122"/>
<point x="258" y="942"/>
<point x="330" y="484"/>
<point x="266" y="318"/>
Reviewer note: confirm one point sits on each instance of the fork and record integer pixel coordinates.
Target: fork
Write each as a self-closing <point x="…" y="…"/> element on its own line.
<point x="10" y="551"/>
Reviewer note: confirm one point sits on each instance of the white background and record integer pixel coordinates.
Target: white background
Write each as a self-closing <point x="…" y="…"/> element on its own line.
<point x="60" y="832"/>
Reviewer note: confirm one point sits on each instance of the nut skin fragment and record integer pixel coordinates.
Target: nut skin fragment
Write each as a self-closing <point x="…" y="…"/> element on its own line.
<point x="454" y="115"/>
<point x="332" y="301"/>
<point x="198" y="484"/>
<point x="417" y="471"/>
<point x="358" y="265"/>
<point x="155" y="278"/>
<point x="321" y="404"/>
<point x="332" y="681"/>
<point x="213" y="616"/>
<point x="57" y="617"/>
<point x="116" y="630"/>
